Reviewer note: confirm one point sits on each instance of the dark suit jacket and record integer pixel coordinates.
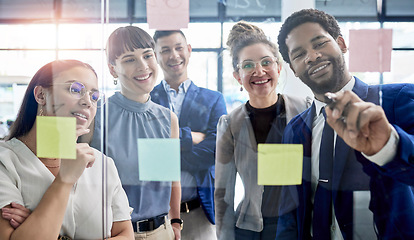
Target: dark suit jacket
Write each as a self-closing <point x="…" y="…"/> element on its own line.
<point x="200" y="112"/>
<point x="391" y="199"/>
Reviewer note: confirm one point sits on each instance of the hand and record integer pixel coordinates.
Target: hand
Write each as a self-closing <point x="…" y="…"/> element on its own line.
<point x="16" y="214"/>
<point x="70" y="169"/>
<point x="198" y="137"/>
<point x="177" y="230"/>
<point x="362" y="125"/>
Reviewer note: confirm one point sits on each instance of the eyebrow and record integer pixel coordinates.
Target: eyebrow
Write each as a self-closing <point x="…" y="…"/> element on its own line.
<point x="132" y="55"/>
<point x="175" y="45"/>
<point x="312" y="40"/>
<point x="72" y="81"/>
<point x="253" y="60"/>
<point x="127" y="56"/>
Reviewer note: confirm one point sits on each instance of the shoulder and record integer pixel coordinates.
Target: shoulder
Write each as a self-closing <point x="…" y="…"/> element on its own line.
<point x="158" y="88"/>
<point x="295" y="100"/>
<point x="205" y="91"/>
<point x="209" y="92"/>
<point x="159" y="108"/>
<point x="397" y="88"/>
<point x="299" y="120"/>
<point x="295" y="105"/>
<point x="236" y="116"/>
<point x="8" y="150"/>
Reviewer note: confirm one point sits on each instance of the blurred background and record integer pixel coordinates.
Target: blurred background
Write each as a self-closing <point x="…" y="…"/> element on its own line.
<point x="35" y="32"/>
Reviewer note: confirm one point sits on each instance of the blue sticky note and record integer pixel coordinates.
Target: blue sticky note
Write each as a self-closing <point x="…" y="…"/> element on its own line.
<point x="159" y="159"/>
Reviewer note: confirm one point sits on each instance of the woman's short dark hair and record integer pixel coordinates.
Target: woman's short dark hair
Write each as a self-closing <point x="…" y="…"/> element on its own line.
<point x="126" y="39"/>
<point x="327" y="22"/>
<point x="244" y="34"/>
<point x="43" y="77"/>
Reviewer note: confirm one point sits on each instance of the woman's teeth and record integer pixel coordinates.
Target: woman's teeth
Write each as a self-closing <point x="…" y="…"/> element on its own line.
<point x="261" y="82"/>
<point x="79" y="115"/>
<point x="143" y="78"/>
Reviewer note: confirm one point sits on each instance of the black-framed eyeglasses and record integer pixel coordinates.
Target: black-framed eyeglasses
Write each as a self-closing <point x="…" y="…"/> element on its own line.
<point x="248" y="66"/>
<point x="78" y="91"/>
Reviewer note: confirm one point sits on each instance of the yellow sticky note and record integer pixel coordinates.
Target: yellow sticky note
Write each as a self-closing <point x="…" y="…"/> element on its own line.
<point x="279" y="164"/>
<point x="56" y="137"/>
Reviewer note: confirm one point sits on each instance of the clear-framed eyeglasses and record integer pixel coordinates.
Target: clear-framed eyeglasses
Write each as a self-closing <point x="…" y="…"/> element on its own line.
<point x="248" y="66"/>
<point x="78" y="91"/>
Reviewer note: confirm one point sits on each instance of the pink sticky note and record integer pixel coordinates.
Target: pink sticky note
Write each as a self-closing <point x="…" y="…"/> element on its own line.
<point x="370" y="50"/>
<point x="168" y="14"/>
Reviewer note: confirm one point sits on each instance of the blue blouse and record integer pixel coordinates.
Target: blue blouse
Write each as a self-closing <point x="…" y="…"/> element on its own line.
<point x="127" y="121"/>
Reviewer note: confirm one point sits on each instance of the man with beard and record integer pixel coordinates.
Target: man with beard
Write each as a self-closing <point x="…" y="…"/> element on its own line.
<point x="371" y="149"/>
<point x="198" y="110"/>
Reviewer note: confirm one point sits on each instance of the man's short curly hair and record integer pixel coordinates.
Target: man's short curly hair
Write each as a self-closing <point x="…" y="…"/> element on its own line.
<point x="327" y="21"/>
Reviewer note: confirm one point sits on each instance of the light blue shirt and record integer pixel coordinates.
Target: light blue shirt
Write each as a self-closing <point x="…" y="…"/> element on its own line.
<point x="127" y="121"/>
<point x="176" y="99"/>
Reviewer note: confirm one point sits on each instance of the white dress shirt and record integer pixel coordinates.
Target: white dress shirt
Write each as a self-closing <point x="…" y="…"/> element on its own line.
<point x="385" y="155"/>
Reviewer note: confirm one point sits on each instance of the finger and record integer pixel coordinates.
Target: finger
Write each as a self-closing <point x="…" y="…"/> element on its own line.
<point x="14" y="223"/>
<point x="90" y="164"/>
<point x="6" y="215"/>
<point x="82" y="131"/>
<point x="18" y="213"/>
<point x="337" y="124"/>
<point x="342" y="101"/>
<point x="17" y="218"/>
<point x="353" y="118"/>
<point x="371" y="114"/>
<point x="21" y="207"/>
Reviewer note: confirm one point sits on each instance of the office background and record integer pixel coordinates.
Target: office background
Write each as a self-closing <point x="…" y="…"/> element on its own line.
<point x="34" y="32"/>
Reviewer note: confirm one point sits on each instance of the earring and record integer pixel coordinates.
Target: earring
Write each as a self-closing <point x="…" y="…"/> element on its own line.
<point x="241" y="88"/>
<point x="115" y="81"/>
<point x="41" y="111"/>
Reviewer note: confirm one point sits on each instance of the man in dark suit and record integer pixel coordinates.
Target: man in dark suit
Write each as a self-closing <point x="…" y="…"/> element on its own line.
<point x="198" y="110"/>
<point x="371" y="149"/>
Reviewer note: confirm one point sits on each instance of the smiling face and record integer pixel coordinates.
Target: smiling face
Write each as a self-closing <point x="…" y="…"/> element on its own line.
<point x="262" y="82"/>
<point x="173" y="54"/>
<point x="317" y="59"/>
<point x="58" y="101"/>
<point x="137" y="73"/>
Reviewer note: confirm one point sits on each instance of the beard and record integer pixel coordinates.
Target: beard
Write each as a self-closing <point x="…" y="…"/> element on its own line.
<point x="334" y="83"/>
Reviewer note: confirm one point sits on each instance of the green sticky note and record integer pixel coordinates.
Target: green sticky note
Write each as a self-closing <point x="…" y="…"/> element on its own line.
<point x="159" y="159"/>
<point x="279" y="164"/>
<point x="56" y="137"/>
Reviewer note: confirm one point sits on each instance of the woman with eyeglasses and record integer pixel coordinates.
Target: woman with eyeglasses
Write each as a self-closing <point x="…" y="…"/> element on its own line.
<point x="51" y="198"/>
<point x="262" y="119"/>
<point x="131" y="116"/>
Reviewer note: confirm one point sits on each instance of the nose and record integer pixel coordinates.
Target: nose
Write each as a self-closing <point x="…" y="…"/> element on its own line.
<point x="142" y="64"/>
<point x="312" y="56"/>
<point x="258" y="69"/>
<point x="174" y="54"/>
<point x="86" y="100"/>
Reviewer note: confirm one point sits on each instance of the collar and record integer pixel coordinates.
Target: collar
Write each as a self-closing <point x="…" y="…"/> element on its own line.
<point x="348" y="87"/>
<point x="183" y="86"/>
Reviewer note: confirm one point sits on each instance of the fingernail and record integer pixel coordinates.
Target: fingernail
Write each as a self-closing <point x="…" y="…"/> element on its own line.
<point x="330" y="95"/>
<point x="5" y="210"/>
